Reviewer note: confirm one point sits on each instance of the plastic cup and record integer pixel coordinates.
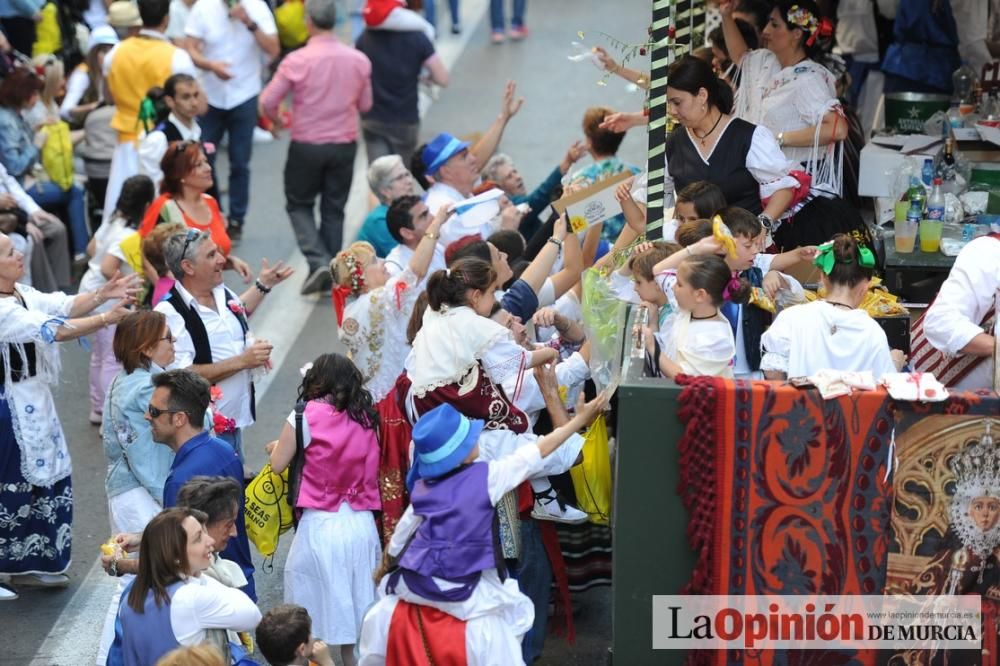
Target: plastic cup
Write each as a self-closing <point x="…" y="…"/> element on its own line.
<point x="930" y="235"/>
<point x="906" y="236"/>
<point x="900" y="211"/>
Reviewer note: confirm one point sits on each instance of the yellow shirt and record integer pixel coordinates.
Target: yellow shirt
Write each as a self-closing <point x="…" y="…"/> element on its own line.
<point x="139" y="64"/>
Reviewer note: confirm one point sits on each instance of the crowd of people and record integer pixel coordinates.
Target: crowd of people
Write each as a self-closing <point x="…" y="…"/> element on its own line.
<point x="429" y="465"/>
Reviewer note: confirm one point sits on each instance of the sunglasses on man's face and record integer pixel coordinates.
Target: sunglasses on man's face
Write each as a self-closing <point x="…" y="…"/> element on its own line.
<point x="156" y="412"/>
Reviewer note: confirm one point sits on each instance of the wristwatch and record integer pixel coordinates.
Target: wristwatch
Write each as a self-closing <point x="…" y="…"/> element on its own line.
<point x="431" y="235"/>
<point x="767" y="222"/>
<point x="781" y="139"/>
<point x="555" y="241"/>
<point x="252" y="26"/>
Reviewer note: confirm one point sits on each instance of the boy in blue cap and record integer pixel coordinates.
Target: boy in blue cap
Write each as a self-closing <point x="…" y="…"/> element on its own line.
<point x="445" y="543"/>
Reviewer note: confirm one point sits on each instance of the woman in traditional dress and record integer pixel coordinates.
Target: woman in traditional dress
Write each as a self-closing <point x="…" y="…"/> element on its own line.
<point x="741" y="158"/>
<point x="36" y="495"/>
<point x="784" y="88"/>
<point x="373" y="310"/>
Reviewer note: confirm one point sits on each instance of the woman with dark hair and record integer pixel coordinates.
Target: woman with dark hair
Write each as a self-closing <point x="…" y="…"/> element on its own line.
<point x="831" y="333"/>
<point x="171" y="603"/>
<point x="137" y="193"/>
<point x="336" y="547"/>
<point x="187" y="177"/>
<point x="785" y="89"/>
<point x="742" y="159"/>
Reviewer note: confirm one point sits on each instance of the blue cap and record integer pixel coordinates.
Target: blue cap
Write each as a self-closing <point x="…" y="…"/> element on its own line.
<point x="442" y="440"/>
<point x="441" y="149"/>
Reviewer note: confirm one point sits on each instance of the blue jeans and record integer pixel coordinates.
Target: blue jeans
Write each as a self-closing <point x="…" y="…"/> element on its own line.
<point x="238" y="122"/>
<point x="534" y="577"/>
<point x="48" y="195"/>
<point x="496" y="15"/>
<point x="235" y="440"/>
<point x="430" y="11"/>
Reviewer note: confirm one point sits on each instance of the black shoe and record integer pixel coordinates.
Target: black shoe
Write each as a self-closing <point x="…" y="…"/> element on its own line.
<point x="319" y="280"/>
<point x="235" y="231"/>
<point x="456" y="29"/>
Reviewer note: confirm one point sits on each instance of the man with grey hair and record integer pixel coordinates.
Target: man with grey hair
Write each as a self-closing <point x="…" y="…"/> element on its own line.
<point x="209" y="325"/>
<point x="501" y="170"/>
<point x="389" y="180"/>
<point x="330" y="84"/>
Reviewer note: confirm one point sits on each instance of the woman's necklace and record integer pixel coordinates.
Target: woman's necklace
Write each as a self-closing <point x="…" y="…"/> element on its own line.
<point x="833" y="328"/>
<point x="7" y="293"/>
<point x="703" y="139"/>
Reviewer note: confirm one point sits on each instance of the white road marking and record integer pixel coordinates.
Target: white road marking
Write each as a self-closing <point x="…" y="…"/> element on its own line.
<point x="74" y="638"/>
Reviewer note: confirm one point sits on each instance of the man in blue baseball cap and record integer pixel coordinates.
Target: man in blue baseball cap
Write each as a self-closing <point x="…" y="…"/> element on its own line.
<point x="453" y="165"/>
<point x="445" y="541"/>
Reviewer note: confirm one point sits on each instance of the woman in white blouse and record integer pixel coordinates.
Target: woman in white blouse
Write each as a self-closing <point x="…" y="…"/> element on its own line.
<point x="171" y="603"/>
<point x="832" y="333"/>
<point x="783" y="88"/>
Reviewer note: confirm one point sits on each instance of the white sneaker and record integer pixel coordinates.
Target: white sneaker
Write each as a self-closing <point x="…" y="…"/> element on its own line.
<point x="41" y="580"/>
<point x="548" y="507"/>
<point x="261" y="135"/>
<point x="7" y="593"/>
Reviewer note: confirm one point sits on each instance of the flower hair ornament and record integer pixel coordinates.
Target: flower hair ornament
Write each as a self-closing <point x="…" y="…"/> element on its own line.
<point x="826" y="259"/>
<point x="802" y="18"/>
<point x="342" y="292"/>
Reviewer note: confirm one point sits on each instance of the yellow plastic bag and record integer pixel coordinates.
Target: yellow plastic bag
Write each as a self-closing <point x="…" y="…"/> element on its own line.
<point x="290" y="18"/>
<point x="592" y="478"/>
<point x="57" y="154"/>
<point x="48" y="36"/>
<point x="267" y="512"/>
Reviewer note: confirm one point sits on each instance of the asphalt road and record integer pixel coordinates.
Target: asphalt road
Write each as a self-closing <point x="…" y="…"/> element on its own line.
<point x="62" y="626"/>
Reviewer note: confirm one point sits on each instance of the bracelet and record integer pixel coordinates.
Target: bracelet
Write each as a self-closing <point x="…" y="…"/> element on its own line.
<point x="555" y="241"/>
<point x="431" y="235"/>
<point x="252" y="26"/>
<point x="781" y="139"/>
<point x="104" y="320"/>
<point x="261" y="288"/>
<point x="97" y="297"/>
<point x="113" y="569"/>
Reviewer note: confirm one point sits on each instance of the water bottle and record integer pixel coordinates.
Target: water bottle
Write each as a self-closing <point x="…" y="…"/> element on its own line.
<point x="935" y="202"/>
<point x="916" y="194"/>
<point x="963" y="82"/>
<point x="968" y="231"/>
<point x="927" y="173"/>
<point x="915" y="213"/>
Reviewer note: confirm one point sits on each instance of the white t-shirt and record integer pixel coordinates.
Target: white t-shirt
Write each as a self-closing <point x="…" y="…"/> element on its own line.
<point x="108" y="236"/>
<point x="228" y="40"/>
<point x="807" y="338"/>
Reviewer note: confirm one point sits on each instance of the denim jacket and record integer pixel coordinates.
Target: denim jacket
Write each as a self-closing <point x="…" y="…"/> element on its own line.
<point x="17" y="150"/>
<point x="134" y="459"/>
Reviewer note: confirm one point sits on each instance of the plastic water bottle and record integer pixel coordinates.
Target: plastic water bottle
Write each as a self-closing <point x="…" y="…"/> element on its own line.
<point x="968" y="231"/>
<point x="927" y="173"/>
<point x="916" y="194"/>
<point x="935" y="202"/>
<point x="915" y="213"/>
<point x="963" y="81"/>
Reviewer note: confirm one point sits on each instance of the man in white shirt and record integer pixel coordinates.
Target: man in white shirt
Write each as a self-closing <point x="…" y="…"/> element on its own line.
<point x="961" y="322"/>
<point x="231" y="43"/>
<point x="209" y="326"/>
<point x="186" y="101"/>
<point x="407" y="220"/>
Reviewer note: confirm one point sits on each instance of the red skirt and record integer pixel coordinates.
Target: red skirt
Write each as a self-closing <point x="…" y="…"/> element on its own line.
<point x="394" y="435"/>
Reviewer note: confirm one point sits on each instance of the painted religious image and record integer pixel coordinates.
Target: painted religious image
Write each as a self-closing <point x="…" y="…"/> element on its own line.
<point x="946" y="518"/>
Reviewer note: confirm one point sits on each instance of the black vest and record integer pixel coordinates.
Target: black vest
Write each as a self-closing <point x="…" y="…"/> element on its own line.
<point x="170" y="131"/>
<point x="199" y="336"/>
<point x="727" y="169"/>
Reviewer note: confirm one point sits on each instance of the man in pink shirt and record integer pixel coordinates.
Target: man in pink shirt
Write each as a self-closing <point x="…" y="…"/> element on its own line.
<point x="330" y="85"/>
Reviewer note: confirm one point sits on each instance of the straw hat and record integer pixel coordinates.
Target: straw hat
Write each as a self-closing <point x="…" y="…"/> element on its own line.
<point x="124" y="14"/>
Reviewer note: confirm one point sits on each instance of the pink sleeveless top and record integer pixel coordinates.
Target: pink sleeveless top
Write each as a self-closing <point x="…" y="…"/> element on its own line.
<point x="341" y="462"/>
